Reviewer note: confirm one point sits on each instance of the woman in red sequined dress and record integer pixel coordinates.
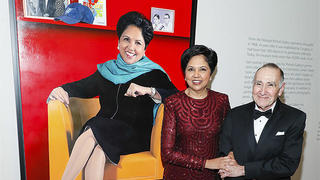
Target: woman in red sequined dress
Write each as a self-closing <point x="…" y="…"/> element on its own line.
<point x="192" y="121"/>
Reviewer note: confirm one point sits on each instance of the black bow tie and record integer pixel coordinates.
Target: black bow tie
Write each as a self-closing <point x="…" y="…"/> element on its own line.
<point x="257" y="114"/>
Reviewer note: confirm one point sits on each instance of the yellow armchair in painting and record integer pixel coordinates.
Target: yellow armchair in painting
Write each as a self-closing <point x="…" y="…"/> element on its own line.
<point x="64" y="125"/>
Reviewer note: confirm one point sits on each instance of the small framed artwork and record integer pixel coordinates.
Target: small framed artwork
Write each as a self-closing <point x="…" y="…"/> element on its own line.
<point x="98" y="9"/>
<point x="162" y="19"/>
<point x="45" y="9"/>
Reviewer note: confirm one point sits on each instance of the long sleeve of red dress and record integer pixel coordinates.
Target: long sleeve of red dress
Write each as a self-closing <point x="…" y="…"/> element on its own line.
<point x="190" y="134"/>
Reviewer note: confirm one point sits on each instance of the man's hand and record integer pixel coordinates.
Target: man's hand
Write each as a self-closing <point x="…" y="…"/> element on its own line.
<point x="232" y="171"/>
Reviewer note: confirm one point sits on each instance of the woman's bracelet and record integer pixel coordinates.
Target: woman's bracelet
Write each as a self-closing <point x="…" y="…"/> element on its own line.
<point x="153" y="92"/>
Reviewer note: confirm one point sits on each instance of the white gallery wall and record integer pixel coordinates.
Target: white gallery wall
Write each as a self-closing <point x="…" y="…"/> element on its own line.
<point x="9" y="152"/>
<point x="248" y="33"/>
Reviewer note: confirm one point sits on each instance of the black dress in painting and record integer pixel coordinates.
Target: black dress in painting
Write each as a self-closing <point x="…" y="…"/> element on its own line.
<point x="123" y="125"/>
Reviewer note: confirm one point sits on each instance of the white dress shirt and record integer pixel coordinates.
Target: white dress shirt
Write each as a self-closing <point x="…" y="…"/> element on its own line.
<point x="259" y="123"/>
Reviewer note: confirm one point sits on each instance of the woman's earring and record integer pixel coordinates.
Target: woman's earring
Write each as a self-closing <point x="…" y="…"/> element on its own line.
<point x="118" y="47"/>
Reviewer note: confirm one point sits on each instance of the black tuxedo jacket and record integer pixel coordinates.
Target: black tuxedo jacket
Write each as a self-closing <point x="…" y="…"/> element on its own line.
<point x="277" y="154"/>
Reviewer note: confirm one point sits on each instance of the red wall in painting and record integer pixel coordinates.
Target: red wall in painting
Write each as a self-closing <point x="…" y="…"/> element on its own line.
<point x="52" y="54"/>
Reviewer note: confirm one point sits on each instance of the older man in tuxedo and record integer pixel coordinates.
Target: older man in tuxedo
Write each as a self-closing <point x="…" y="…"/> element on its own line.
<point x="264" y="136"/>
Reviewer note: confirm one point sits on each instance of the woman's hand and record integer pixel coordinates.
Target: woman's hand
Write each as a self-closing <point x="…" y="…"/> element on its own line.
<point x="59" y="94"/>
<point x="231" y="155"/>
<point x="135" y="90"/>
<point x="233" y="169"/>
<point x="218" y="163"/>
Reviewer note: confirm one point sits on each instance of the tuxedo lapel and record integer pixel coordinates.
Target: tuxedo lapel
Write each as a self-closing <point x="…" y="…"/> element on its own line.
<point x="250" y="129"/>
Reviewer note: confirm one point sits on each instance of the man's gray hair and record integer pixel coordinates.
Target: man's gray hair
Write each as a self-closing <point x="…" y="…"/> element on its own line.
<point x="274" y="66"/>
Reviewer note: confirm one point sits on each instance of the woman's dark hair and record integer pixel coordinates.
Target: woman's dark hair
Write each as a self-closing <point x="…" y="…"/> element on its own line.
<point x="136" y="19"/>
<point x="156" y="15"/>
<point x="209" y="54"/>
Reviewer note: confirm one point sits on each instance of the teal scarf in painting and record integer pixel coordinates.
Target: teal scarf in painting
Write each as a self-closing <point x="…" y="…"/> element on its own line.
<point x="119" y="72"/>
